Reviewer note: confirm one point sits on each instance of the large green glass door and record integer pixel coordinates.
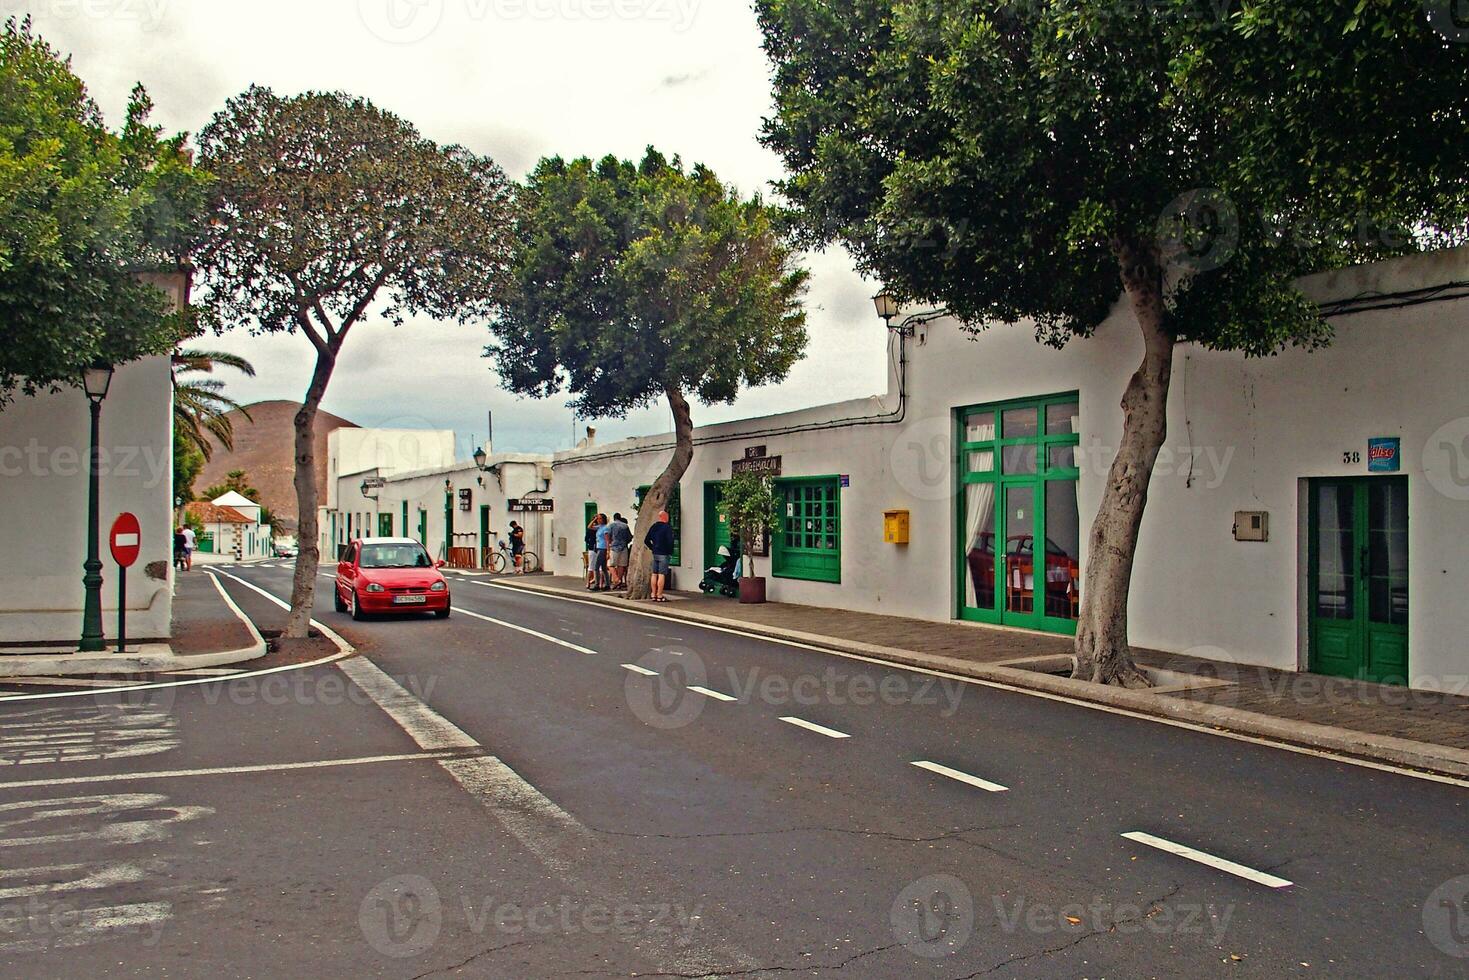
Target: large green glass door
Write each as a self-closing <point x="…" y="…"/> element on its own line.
<point x="1359" y="578"/>
<point x="1018" y="471"/>
<point x="716" y="524"/>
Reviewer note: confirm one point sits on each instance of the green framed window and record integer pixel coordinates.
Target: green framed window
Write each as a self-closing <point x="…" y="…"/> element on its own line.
<point x="1017" y="468"/>
<point x="808" y="544"/>
<point x="675" y="517"/>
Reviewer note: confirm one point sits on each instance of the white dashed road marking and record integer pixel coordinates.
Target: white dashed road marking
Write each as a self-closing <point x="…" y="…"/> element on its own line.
<point x="716" y="695"/>
<point x="813" y="727"/>
<point x="528" y="632"/>
<point x="963" y="777"/>
<point x="1218" y="863"/>
<point x="640" y="670"/>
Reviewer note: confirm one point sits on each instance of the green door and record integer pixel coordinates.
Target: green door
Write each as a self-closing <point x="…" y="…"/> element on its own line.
<point x="1018" y="518"/>
<point x="385" y="525"/>
<point x="423" y="527"/>
<point x="1359" y="578"/>
<point x="716" y="524"/>
<point x="484" y="536"/>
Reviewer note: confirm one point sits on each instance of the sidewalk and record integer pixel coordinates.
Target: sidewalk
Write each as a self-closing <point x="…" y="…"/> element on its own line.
<point x="207" y="632"/>
<point x="1417" y="729"/>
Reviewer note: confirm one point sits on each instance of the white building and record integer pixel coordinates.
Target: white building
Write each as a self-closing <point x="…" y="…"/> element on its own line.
<point x="470" y="507"/>
<point x="388" y="451"/>
<point x="44" y="447"/>
<point x="1350" y="464"/>
<point x="232" y="527"/>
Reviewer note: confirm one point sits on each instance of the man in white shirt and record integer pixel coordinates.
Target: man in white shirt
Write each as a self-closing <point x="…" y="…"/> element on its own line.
<point x="189" y="545"/>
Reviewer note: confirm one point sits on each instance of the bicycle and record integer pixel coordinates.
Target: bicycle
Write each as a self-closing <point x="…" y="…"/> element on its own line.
<point x="500" y="560"/>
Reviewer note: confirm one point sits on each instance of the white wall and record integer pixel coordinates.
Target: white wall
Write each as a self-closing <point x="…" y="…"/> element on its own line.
<point x="43" y="506"/>
<point x="388" y="451"/>
<point x="1254" y="429"/>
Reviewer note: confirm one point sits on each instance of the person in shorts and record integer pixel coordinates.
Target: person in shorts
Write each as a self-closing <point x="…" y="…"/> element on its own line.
<point x="517" y="547"/>
<point x="604" y="531"/>
<point x="619" y="538"/>
<point x="660" y="541"/>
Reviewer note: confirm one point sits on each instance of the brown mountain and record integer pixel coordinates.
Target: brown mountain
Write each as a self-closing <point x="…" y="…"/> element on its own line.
<point x="264" y="449"/>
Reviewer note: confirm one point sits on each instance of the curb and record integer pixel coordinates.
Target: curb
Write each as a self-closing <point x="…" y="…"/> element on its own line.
<point x="1391" y="750"/>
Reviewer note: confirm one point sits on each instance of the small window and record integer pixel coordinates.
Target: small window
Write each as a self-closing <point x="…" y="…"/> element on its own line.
<point x="809" y="542"/>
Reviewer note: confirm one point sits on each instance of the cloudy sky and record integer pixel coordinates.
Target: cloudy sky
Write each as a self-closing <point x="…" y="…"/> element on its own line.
<point x="514" y="79"/>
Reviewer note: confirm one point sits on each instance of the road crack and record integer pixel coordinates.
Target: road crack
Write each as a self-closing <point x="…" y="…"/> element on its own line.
<point x="470" y="959"/>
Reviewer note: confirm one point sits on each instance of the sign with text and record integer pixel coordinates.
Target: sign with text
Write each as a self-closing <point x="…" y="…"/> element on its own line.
<point x="1385" y="455"/>
<point x="375" y="482"/>
<point x="760" y="466"/>
<point x="756" y="452"/>
<point x="531" y="506"/>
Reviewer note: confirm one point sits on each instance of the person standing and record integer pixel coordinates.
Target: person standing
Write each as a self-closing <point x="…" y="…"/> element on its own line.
<point x="620" y="539"/>
<point x="190" y="543"/>
<point x="517" y="547"/>
<point x="591" y="553"/>
<point x="604" y="533"/>
<point x="660" y="542"/>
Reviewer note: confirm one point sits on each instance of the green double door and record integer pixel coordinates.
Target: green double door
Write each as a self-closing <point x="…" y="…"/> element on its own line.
<point x="1359" y="578"/>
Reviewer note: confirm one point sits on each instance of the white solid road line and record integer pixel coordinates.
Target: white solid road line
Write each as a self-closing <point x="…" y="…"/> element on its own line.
<point x="1347" y="760"/>
<point x="640" y="670"/>
<point x="716" y="695"/>
<point x="813" y="727"/>
<point x="67" y="682"/>
<point x="963" y="777"/>
<point x="123" y="777"/>
<point x="528" y="632"/>
<point x="1218" y="863"/>
<point x="326" y="631"/>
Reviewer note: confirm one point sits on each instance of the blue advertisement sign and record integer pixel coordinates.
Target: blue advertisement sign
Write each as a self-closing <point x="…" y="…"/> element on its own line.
<point x="1385" y="455"/>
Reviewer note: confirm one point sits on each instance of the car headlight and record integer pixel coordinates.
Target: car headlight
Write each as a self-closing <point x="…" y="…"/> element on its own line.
<point x="374" y="587"/>
<point x="439" y="587"/>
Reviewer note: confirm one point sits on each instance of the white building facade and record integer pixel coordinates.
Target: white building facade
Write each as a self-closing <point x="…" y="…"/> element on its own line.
<point x="232" y="528"/>
<point x="1310" y="511"/>
<point x="458" y="511"/>
<point x="44" y="451"/>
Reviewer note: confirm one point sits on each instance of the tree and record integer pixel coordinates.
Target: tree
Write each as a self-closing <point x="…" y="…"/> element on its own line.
<point x="639" y="281"/>
<point x="330" y="209"/>
<point x="235" y="481"/>
<point x="84" y="212"/>
<point x="1028" y="161"/>
<point x="754" y="511"/>
<point x="187" y="463"/>
<point x="200" y="407"/>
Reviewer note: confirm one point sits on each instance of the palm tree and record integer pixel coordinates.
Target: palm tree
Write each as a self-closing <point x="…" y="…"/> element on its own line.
<point x="200" y="407"/>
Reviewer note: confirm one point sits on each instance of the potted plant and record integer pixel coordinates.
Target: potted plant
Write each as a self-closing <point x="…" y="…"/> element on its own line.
<point x="754" y="511"/>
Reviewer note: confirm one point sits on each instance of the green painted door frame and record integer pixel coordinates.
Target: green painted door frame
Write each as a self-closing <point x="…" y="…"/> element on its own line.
<point x="808" y="544"/>
<point x="405" y="519"/>
<point x="385" y="525"/>
<point x="1358" y="578"/>
<point x="1030" y="472"/>
<point x="716" y="523"/>
<point x="423" y="527"/>
<point x="484" y="534"/>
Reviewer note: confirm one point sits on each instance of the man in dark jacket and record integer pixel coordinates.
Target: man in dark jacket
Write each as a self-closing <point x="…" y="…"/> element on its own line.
<point x="660" y="542"/>
<point x="619" y="542"/>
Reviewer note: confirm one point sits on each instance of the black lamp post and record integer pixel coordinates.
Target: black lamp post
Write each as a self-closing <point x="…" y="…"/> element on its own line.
<point x="95" y="382"/>
<point x="887" y="306"/>
<point x="448" y="518"/>
<point x="481" y="458"/>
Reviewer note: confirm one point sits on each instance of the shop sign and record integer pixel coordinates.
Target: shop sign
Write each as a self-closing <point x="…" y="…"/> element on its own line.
<point x="531" y="506"/>
<point x="1385" y="455"/>
<point x="760" y="466"/>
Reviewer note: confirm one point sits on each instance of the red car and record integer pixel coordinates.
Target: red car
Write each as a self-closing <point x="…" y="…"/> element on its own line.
<point x="390" y="575"/>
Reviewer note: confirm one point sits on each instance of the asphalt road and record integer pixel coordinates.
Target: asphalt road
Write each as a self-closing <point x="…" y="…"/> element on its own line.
<point x="540" y="787"/>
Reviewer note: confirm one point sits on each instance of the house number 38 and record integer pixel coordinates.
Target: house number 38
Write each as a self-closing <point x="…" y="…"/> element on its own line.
<point x="1351" y="458"/>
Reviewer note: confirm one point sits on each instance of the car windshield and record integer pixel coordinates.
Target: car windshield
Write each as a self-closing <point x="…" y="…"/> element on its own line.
<point x="394" y="556"/>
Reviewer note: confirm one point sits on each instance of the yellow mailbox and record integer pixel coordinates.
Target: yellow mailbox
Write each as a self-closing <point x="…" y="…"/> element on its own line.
<point x="895" y="526"/>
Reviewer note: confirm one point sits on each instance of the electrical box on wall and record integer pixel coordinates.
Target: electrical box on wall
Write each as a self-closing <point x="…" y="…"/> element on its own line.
<point x="561" y="547"/>
<point x="1252" y="525"/>
<point x="895" y="524"/>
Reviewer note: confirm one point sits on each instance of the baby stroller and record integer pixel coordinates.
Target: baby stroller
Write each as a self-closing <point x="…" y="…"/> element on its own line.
<point x="721" y="578"/>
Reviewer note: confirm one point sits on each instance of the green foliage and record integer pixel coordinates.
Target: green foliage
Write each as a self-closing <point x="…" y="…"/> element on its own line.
<point x="633" y="279"/>
<point x="235" y="481"/>
<point x="754" y="510"/>
<point x="187" y="462"/>
<point x="329" y="207"/>
<point x="200" y="407"/>
<point x="83" y="211"/>
<point x="998" y="158"/>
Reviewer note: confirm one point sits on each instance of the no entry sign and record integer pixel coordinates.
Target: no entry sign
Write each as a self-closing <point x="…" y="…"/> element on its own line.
<point x="126" y="540"/>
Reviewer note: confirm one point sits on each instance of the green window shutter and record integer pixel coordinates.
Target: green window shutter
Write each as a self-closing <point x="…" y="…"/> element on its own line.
<point x="808" y="544"/>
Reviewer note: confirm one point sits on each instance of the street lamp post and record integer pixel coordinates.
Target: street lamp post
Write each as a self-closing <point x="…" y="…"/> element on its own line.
<point x="95" y="382"/>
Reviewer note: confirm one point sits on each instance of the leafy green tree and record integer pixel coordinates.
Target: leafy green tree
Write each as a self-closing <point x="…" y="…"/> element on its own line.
<point x="84" y="213"/>
<point x="639" y="281"/>
<point x="330" y="209"/>
<point x="754" y="511"/>
<point x="1028" y="161"/>
<point x="187" y="463"/>
<point x="200" y="407"/>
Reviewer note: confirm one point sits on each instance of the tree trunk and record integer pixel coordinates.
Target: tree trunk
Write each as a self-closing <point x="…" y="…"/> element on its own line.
<point x="1103" y="654"/>
<point x="640" y="574"/>
<point x="308" y="551"/>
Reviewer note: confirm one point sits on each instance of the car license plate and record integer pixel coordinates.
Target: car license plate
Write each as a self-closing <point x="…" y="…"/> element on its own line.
<point x="410" y="600"/>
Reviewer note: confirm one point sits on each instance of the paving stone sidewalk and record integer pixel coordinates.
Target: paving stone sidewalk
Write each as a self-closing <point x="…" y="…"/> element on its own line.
<point x="1377" y="709"/>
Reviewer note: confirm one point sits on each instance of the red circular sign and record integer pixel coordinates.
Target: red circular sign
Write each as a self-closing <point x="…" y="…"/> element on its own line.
<point x="126" y="540"/>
